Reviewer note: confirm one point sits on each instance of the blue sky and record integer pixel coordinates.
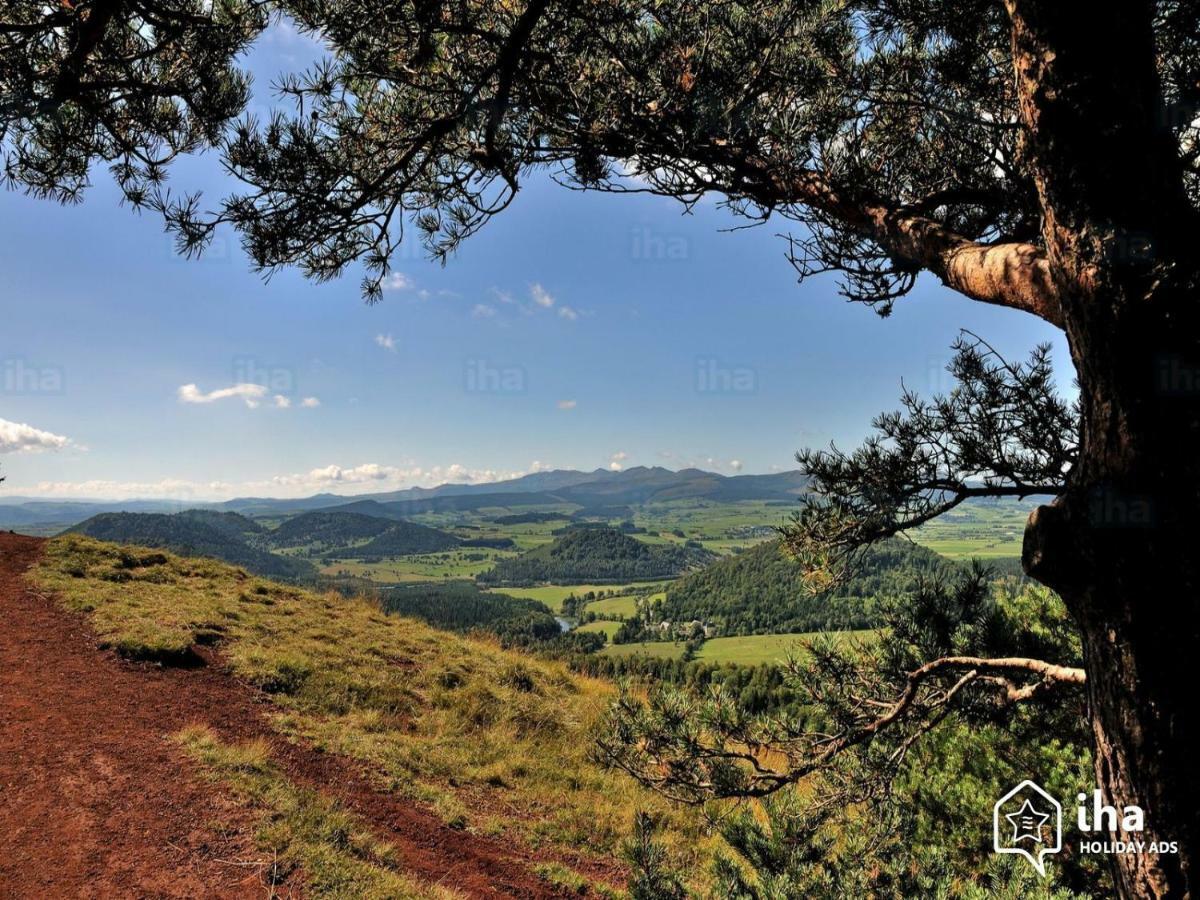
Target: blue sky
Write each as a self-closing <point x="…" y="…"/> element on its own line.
<point x="576" y="331"/>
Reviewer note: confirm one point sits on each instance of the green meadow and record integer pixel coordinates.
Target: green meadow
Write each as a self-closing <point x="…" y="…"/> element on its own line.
<point x="746" y="650"/>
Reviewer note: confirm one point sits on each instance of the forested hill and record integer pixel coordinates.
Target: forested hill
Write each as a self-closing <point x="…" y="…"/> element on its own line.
<point x="596" y="555"/>
<point x="334" y="529"/>
<point x="195" y="533"/>
<point x="341" y="533"/>
<point x="759" y="591"/>
<point x="402" y="539"/>
<point x="462" y="606"/>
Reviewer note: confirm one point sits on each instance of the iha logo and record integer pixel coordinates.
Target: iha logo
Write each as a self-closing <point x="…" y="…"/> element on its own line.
<point x="1028" y="821"/>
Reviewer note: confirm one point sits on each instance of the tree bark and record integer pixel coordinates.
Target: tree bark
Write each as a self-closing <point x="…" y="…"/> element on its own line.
<point x="1132" y="586"/>
<point x="1122" y="545"/>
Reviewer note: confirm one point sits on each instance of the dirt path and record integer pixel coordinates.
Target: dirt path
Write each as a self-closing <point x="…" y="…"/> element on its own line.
<point x="95" y="801"/>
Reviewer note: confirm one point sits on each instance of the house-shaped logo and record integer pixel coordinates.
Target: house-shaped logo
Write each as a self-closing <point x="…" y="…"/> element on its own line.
<point x="1028" y="821"/>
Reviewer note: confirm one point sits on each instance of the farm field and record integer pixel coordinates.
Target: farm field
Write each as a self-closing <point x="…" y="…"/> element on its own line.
<point x="625" y="606"/>
<point x="421" y="567"/>
<point x="977" y="531"/>
<point x="747" y="650"/>
<point x="606" y="628"/>
<point x="554" y="594"/>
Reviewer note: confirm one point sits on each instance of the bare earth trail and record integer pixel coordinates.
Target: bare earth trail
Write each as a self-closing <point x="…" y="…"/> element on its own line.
<point x="96" y="801"/>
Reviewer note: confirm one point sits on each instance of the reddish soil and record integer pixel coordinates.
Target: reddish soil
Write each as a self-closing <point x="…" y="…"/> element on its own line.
<point x="96" y="801"/>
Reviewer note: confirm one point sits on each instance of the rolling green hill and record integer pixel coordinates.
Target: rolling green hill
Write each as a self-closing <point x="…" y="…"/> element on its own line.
<point x="195" y="533"/>
<point x="759" y="591"/>
<point x="596" y="555"/>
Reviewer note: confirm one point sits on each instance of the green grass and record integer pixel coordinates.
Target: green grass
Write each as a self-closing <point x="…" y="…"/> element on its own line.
<point x="421" y="567"/>
<point x="456" y="722"/>
<point x="614" y="606"/>
<point x="746" y="650"/>
<point x="979" y="531"/>
<point x="554" y="594"/>
<point x="607" y="628"/>
<point x="337" y="853"/>
<point x="654" y="649"/>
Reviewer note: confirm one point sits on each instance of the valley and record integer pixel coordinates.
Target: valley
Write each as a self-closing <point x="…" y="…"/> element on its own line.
<point x="454" y="654"/>
<point x="643" y="562"/>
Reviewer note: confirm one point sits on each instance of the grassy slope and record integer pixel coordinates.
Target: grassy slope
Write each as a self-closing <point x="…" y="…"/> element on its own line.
<point x="495" y="740"/>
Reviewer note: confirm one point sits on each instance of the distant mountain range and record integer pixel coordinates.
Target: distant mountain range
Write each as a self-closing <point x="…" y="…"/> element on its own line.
<point x="597" y="489"/>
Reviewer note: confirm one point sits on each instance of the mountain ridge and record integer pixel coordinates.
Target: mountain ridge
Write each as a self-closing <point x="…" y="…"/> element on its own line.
<point x="599" y="487"/>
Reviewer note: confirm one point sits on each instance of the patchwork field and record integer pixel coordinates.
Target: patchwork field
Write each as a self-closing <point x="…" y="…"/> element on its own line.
<point x="421" y="567"/>
<point x="978" y="531"/>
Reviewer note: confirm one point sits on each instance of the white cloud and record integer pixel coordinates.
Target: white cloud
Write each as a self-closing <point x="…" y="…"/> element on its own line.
<point x="251" y="394"/>
<point x="17" y="436"/>
<point x="364" y="478"/>
<point x="103" y="489"/>
<point x="398" y="281"/>
<point x="540" y="296"/>
<point x="567" y="404"/>
<point x="483" y="311"/>
<point x="386" y="341"/>
<point x="567" y="313"/>
<point x="370" y="477"/>
<point x="616" y="461"/>
<point x="736" y="465"/>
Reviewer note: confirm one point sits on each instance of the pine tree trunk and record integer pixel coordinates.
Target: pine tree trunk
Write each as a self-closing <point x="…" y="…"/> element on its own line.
<point x="1122" y="547"/>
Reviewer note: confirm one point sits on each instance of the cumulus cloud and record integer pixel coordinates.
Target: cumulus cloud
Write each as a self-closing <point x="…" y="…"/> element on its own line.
<point x="736" y="465"/>
<point x="483" y="311"/>
<point x="310" y="402"/>
<point x="282" y="402"/>
<point x="398" y="281"/>
<point x="369" y="477"/>
<point x="250" y="394"/>
<point x="568" y="313"/>
<point x="567" y="404"/>
<point x="17" y="436"/>
<point x="386" y="341"/>
<point x="617" y="460"/>
<point x="540" y="296"/>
